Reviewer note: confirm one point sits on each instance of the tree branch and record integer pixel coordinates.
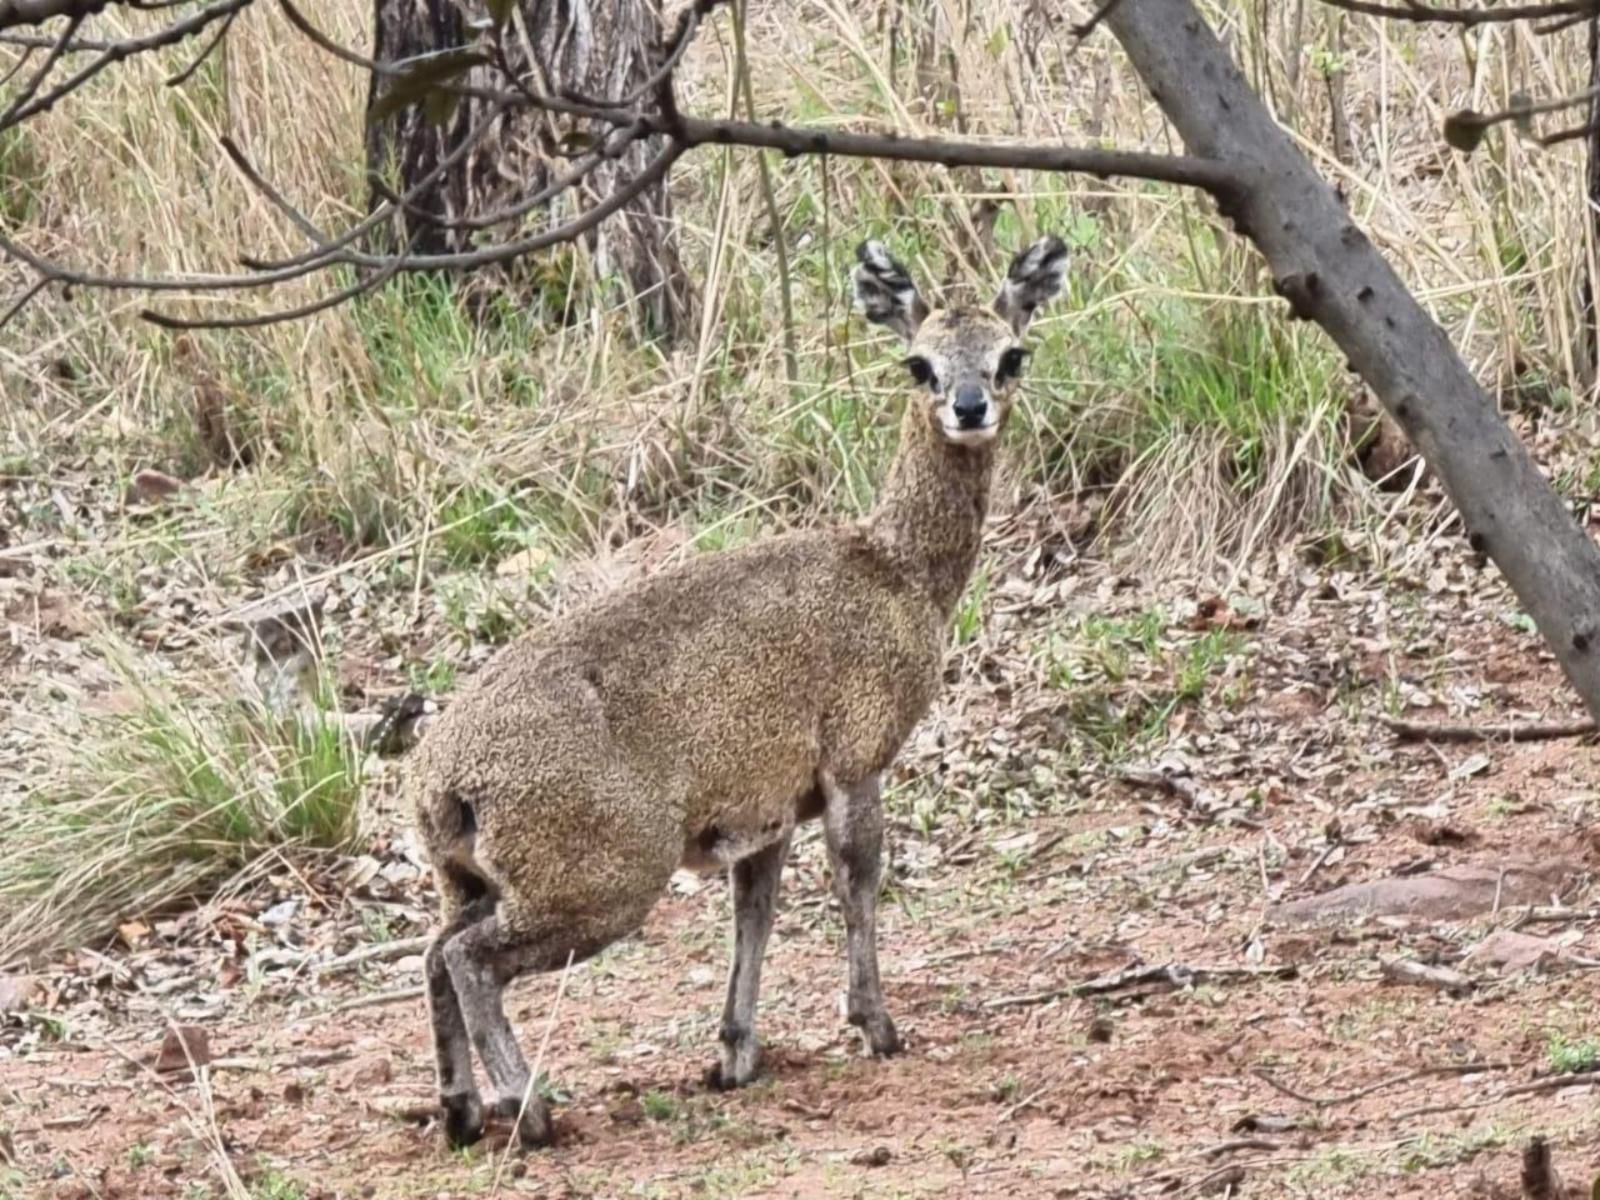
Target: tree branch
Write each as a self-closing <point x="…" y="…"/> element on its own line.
<point x="117" y="51"/>
<point x="31" y="88"/>
<point x="37" y="12"/>
<point x="1468" y="16"/>
<point x="625" y="122"/>
<point x="1209" y="175"/>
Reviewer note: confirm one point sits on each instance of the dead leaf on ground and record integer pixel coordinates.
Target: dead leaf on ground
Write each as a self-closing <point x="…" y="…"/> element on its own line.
<point x="183" y="1047"/>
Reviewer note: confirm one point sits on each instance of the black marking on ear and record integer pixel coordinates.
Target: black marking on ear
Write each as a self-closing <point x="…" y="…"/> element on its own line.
<point x="884" y="291"/>
<point x="1036" y="276"/>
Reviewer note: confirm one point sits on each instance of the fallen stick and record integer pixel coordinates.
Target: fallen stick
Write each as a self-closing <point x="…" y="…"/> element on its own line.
<point x="1549" y="1083"/>
<point x="377" y="998"/>
<point x="1381" y="1085"/>
<point x="1508" y="731"/>
<point x="405" y="1108"/>
<point x="1405" y="970"/>
<point x="1173" y="975"/>
<point x="382" y="952"/>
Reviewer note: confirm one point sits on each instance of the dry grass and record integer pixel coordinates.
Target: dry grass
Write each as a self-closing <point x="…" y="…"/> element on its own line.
<point x="374" y="421"/>
<point x="163" y="798"/>
<point x="402" y="438"/>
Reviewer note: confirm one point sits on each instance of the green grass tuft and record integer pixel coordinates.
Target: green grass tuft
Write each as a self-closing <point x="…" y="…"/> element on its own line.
<point x="165" y="803"/>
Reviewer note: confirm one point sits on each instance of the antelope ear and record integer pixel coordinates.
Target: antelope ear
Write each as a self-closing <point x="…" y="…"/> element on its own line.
<point x="1035" y="278"/>
<point x="884" y="292"/>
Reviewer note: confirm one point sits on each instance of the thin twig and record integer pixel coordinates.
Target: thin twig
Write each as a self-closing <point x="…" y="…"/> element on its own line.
<point x="382" y="952"/>
<point x="1174" y="975"/>
<point x="533" y="1075"/>
<point x="394" y="996"/>
<point x="118" y="51"/>
<point x="31" y="88"/>
<point x="1467" y="16"/>
<point x="1416" y="731"/>
<point x="206" y="51"/>
<point x="1382" y="1084"/>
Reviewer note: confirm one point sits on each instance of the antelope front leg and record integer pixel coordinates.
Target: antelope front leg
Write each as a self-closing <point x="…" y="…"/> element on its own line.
<point x="853" y="823"/>
<point x="755" y="896"/>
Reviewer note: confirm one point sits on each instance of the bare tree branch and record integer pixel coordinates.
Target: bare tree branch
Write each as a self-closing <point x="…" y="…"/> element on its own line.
<point x="206" y="51"/>
<point x="256" y="321"/>
<point x="613" y="148"/>
<point x="1210" y="175"/>
<point x="37" y="12"/>
<point x="646" y="112"/>
<point x="378" y="215"/>
<point x="1469" y="16"/>
<point x="117" y="51"/>
<point x="31" y="88"/>
<point x="1085" y="28"/>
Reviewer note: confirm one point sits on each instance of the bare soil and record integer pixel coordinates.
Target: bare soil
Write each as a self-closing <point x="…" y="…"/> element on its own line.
<point x="1294" y="1069"/>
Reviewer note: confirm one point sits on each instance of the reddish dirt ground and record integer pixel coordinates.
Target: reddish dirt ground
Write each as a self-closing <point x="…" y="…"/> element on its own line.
<point x="1297" y="1071"/>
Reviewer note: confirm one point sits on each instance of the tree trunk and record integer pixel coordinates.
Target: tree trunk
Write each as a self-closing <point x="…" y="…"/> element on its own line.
<point x="1331" y="273"/>
<point x="596" y="47"/>
<point x="1588" y="320"/>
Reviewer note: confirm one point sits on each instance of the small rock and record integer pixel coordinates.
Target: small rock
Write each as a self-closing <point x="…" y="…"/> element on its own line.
<point x="17" y="992"/>
<point x="629" y="1112"/>
<point x="702" y="976"/>
<point x="150" y="486"/>
<point x="182" y="1047"/>
<point x="1512" y="951"/>
<point x="374" y="1072"/>
<point x="280" y="914"/>
<point x="1442" y="833"/>
<point x="878" y="1156"/>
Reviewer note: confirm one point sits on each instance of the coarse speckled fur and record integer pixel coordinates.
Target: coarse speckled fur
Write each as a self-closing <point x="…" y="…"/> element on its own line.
<point x="695" y="717"/>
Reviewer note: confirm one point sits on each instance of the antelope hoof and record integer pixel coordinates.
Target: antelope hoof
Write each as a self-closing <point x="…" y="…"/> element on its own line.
<point x="463" y="1119"/>
<point x="740" y="1062"/>
<point x="535" y="1130"/>
<point x="878" y="1034"/>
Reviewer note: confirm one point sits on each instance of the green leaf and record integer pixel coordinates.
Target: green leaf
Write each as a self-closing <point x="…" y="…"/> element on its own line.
<point x="998" y="41"/>
<point x="1521" y="106"/>
<point x="422" y="76"/>
<point x="1464" y="130"/>
<point x="576" y="141"/>
<point x="1594" y="1192"/>
<point x="500" y="11"/>
<point x="439" y="105"/>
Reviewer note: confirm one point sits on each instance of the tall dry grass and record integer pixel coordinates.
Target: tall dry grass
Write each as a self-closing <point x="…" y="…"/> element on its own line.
<point x="401" y="443"/>
<point x="377" y="420"/>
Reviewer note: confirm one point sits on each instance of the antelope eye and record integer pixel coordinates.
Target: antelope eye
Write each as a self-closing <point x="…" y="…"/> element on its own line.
<point x="921" y="370"/>
<point x="1010" y="364"/>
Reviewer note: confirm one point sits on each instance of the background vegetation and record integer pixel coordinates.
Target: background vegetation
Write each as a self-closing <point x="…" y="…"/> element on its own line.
<point x="449" y="472"/>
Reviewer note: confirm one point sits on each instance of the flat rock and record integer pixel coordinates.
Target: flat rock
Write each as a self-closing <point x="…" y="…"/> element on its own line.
<point x="371" y="1073"/>
<point x="182" y="1047"/>
<point x="150" y="486"/>
<point x="17" y="992"/>
<point x="1455" y="893"/>
<point x="1512" y="951"/>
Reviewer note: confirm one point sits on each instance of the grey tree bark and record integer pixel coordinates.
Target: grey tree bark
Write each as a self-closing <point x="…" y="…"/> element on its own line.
<point x="1331" y="273"/>
<point x="596" y="47"/>
<point x="1588" y="319"/>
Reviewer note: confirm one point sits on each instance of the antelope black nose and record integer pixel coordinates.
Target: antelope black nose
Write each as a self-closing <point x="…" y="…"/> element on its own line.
<point x="970" y="406"/>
